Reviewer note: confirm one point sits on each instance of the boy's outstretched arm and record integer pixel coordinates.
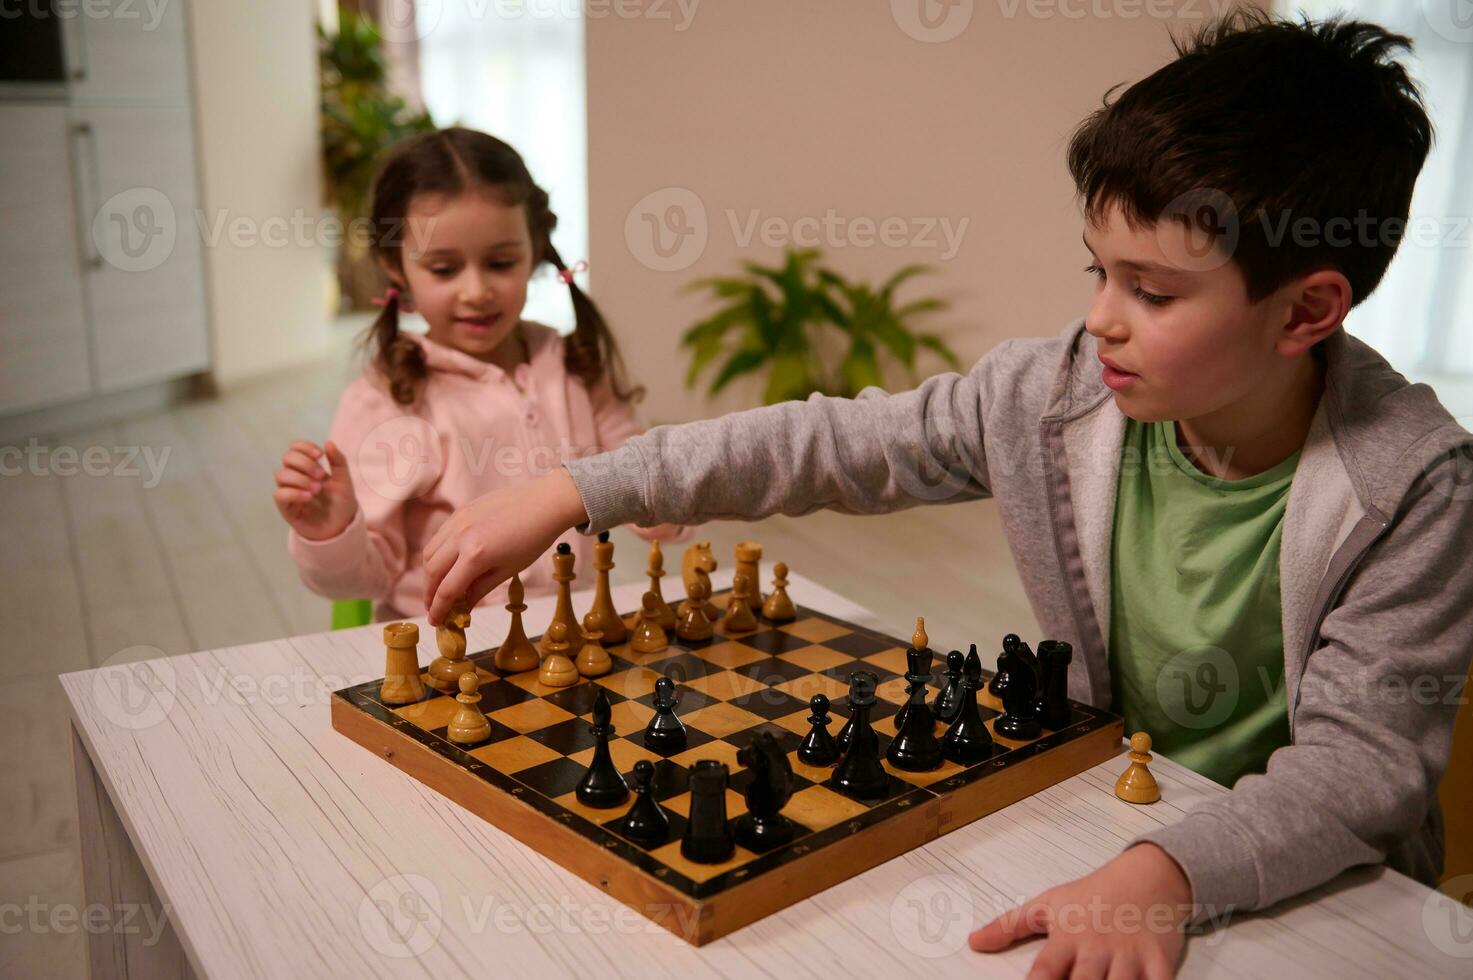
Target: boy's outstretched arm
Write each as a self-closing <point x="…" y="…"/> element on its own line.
<point x="868" y="455"/>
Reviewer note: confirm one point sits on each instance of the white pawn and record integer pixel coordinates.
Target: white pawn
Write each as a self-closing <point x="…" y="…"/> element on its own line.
<point x="778" y="606"/>
<point x="593" y="660"/>
<point x="557" y="669"/>
<point x="469" y="725"/>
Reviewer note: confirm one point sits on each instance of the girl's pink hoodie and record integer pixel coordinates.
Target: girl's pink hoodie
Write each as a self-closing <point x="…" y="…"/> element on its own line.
<point x="473" y="428"/>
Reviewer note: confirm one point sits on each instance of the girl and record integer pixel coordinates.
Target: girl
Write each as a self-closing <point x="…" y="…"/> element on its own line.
<point x="485" y="400"/>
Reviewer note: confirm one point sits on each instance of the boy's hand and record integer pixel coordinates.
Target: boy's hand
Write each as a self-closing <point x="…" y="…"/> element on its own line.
<point x="317" y="504"/>
<point x="663" y="533"/>
<point x="1124" y="920"/>
<point x="494" y="536"/>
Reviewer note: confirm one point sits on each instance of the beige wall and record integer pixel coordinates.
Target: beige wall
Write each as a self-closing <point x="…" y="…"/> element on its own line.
<point x="254" y="67"/>
<point x="789" y="108"/>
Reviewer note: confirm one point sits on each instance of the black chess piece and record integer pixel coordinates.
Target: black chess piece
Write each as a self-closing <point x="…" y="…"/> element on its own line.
<point x="1018" y="721"/>
<point x="665" y="733"/>
<point x="818" y="747"/>
<point x="917" y="671"/>
<point x="860" y="774"/>
<point x="706" y="839"/>
<point x="602" y="785"/>
<point x="967" y="741"/>
<point x="646" y="823"/>
<point x="999" y="682"/>
<point x="914" y="747"/>
<point x="1051" y="703"/>
<point x="950" y="699"/>
<point x="762" y="827"/>
<point x="1025" y="659"/>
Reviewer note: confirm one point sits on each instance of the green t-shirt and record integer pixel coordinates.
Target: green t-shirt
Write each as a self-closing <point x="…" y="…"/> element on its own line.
<point x="1196" y="631"/>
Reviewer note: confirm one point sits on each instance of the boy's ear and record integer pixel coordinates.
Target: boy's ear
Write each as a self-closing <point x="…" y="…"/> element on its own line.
<point x="1317" y="308"/>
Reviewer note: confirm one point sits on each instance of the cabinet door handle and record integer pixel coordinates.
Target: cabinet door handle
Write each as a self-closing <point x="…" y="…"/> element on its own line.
<point x="84" y="183"/>
<point x="75" y="39"/>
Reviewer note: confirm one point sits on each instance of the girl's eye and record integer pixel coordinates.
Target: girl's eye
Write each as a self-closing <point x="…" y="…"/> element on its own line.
<point x="442" y="271"/>
<point x="1152" y="298"/>
<point x="503" y="265"/>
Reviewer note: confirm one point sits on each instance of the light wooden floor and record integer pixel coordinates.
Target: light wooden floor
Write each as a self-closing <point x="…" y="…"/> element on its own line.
<point x="106" y="568"/>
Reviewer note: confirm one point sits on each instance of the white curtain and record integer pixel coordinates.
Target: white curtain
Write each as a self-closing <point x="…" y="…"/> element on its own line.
<point x="1421" y="315"/>
<point x="515" y="70"/>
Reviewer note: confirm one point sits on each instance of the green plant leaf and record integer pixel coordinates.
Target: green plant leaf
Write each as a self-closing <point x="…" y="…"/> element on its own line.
<point x="887" y="291"/>
<point x="742" y="362"/>
<point x="934" y="343"/>
<point x="921" y="306"/>
<point x="787" y="379"/>
<point x="860" y="369"/>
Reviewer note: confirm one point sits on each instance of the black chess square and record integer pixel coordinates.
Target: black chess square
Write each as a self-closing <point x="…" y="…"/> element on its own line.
<point x="500" y="693"/>
<point x="499" y="732"/>
<point x="693" y="739"/>
<point x="579" y="698"/>
<point x="769" y="703"/>
<point x="677" y="830"/>
<point x="787" y="740"/>
<point x="857" y="644"/>
<point x="567" y="737"/>
<point x="742" y="778"/>
<point x="798" y="831"/>
<point x="775" y="641"/>
<point x="670" y="779"/>
<point x="895" y="787"/>
<point x="842" y="672"/>
<point x="682" y="667"/>
<point x="554" y="778"/>
<point x="687" y="699"/>
<point x="771" y="670"/>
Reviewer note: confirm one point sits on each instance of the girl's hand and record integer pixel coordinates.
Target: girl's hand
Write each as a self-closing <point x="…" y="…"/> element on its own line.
<point x="663" y="533"/>
<point x="494" y="536"/>
<point x="1124" y="920"/>
<point x="317" y="504"/>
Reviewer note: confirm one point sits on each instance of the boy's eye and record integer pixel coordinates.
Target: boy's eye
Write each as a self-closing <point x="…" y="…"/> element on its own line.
<point x="1155" y="299"/>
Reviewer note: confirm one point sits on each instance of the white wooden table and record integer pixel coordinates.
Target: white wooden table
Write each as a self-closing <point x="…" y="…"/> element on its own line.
<point x="212" y="787"/>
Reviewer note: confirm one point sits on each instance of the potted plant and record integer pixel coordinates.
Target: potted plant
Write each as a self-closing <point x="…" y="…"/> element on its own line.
<point x="789" y="320"/>
<point x="360" y="119"/>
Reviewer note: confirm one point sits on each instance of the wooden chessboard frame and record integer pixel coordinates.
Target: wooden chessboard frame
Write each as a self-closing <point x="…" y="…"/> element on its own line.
<point x="701" y="911"/>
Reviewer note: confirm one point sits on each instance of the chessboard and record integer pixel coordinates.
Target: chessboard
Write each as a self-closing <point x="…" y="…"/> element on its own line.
<point x="523" y="777"/>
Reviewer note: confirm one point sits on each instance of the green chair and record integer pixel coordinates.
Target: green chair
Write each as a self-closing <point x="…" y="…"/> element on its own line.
<point x="347" y="613"/>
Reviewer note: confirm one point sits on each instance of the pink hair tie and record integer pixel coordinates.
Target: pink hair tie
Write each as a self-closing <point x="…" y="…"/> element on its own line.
<point x="390" y="295"/>
<point x="566" y="275"/>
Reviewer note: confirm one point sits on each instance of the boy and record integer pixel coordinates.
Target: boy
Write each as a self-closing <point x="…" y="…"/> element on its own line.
<point x="1203" y="481"/>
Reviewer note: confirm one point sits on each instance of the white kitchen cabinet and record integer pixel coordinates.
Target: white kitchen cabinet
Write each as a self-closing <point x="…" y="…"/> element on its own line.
<point x="44" y="355"/>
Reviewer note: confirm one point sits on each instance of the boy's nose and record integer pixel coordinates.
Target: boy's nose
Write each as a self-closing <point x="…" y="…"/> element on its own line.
<point x="1102" y="320"/>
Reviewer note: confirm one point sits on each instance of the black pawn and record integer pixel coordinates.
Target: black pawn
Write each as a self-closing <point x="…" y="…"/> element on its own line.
<point x="949" y="701"/>
<point x="818" y="747"/>
<point x="914" y="747"/>
<point x="602" y="785"/>
<point x="1018" y="721"/>
<point x="967" y="741"/>
<point x="1051" y="704"/>
<point x="706" y="839"/>
<point x="762" y="827"/>
<point x="859" y="774"/>
<point x="646" y="823"/>
<point x="999" y="682"/>
<point x="917" y="671"/>
<point x="665" y="733"/>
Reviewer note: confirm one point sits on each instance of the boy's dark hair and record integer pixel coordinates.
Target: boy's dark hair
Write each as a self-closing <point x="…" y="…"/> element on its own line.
<point x="1258" y="124"/>
<point x="451" y="162"/>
